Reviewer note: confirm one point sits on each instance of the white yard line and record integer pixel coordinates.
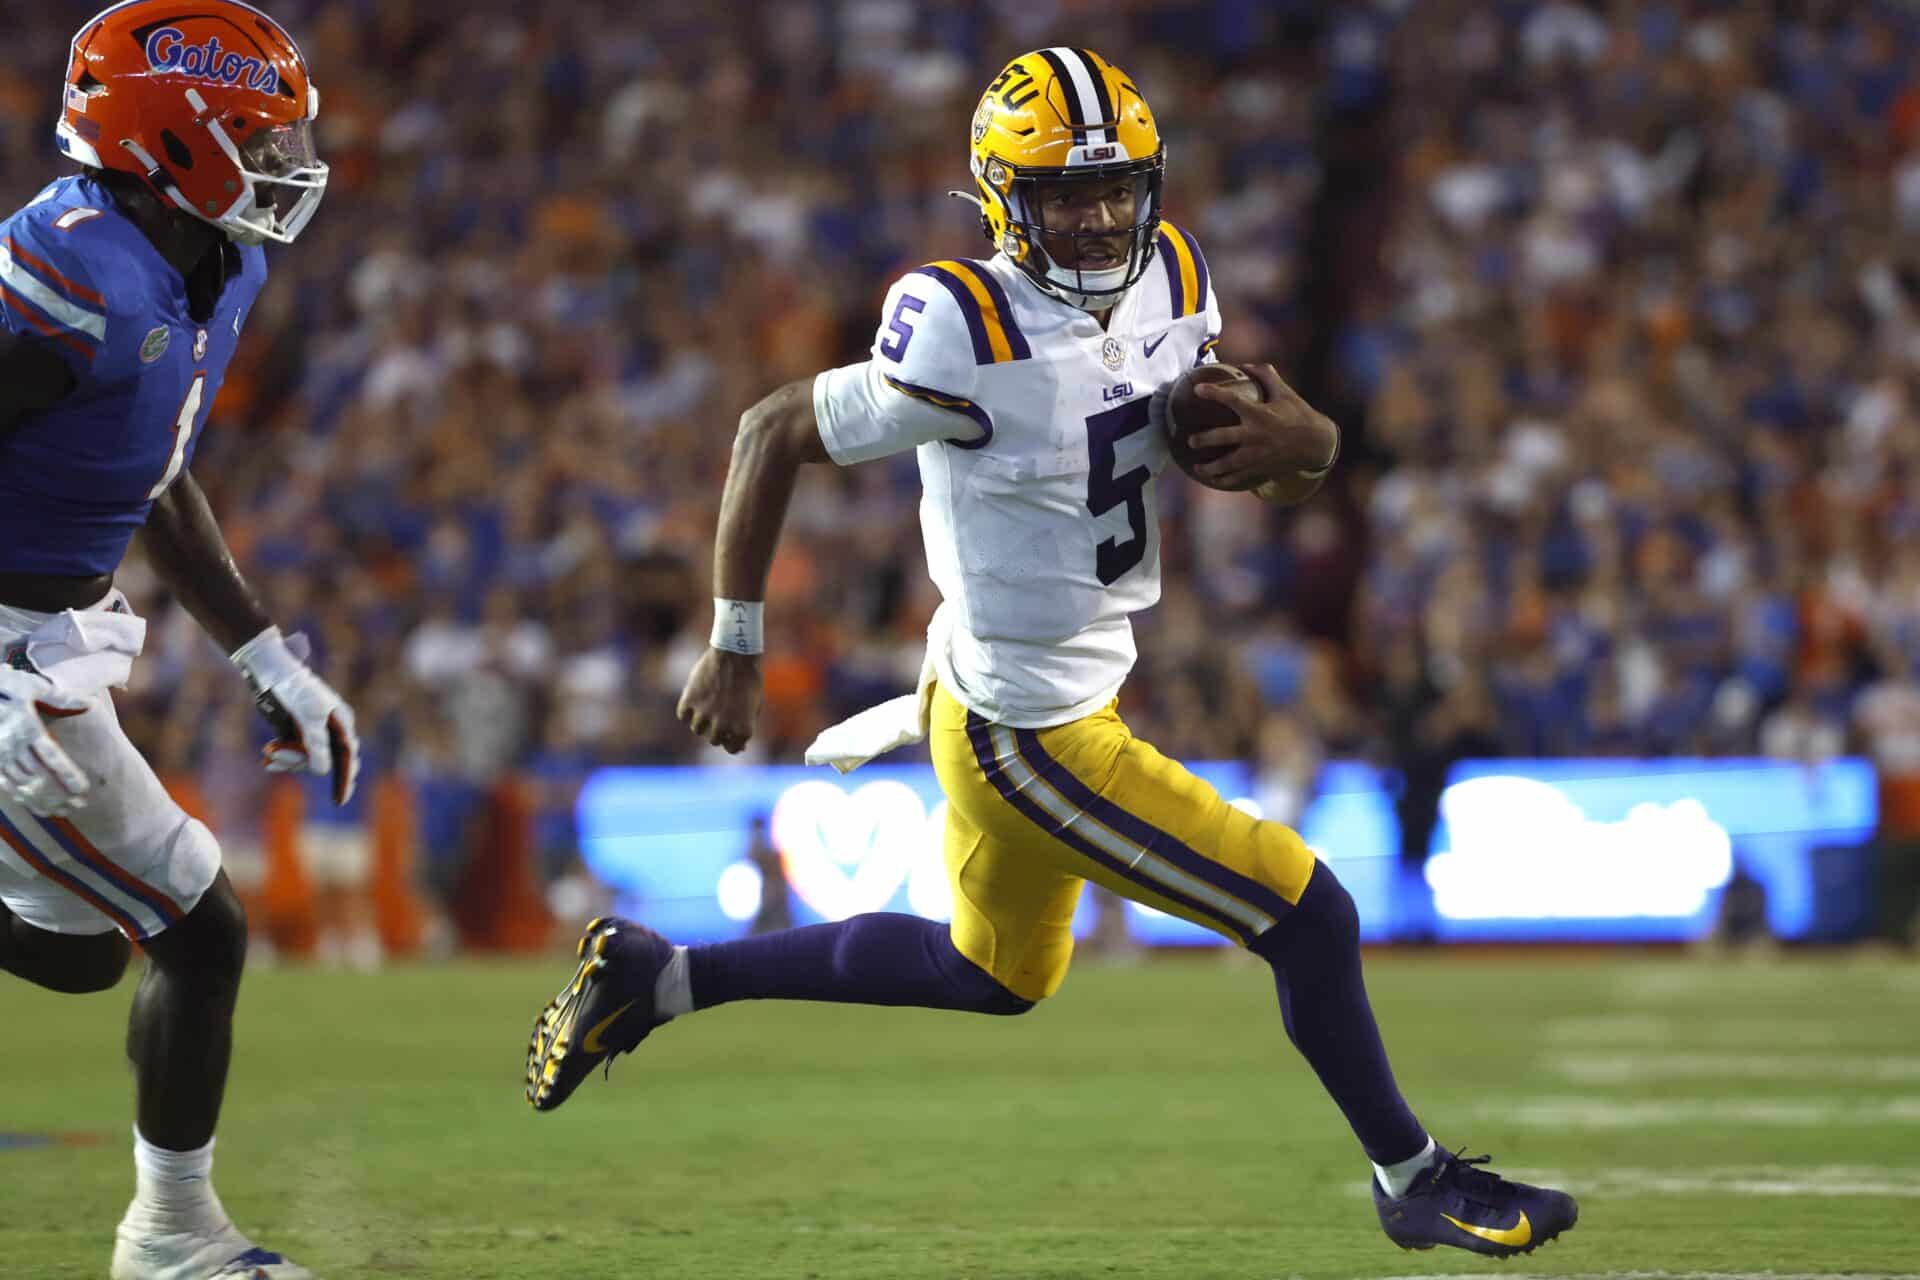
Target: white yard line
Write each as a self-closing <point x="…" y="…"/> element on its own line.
<point x="1745" y="983"/>
<point x="1611" y="1028"/>
<point x="1836" y="1182"/>
<point x="1599" y="1068"/>
<point x="1701" y="1026"/>
<point x="1587" y="1112"/>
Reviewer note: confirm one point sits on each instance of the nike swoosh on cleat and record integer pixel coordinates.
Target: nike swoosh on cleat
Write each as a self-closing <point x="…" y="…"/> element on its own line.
<point x="1148" y="349"/>
<point x="592" y="1045"/>
<point x="1518" y="1235"/>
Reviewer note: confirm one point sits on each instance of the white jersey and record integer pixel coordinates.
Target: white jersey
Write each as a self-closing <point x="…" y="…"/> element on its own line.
<point x="1036" y="462"/>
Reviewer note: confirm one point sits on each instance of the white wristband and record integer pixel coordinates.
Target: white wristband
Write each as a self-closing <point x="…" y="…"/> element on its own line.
<point x="737" y="625"/>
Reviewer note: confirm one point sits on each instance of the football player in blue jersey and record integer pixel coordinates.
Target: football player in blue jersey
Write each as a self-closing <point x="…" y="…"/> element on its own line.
<point x="122" y="293"/>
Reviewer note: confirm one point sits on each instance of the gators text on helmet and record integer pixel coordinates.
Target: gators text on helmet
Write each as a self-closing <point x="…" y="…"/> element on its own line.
<point x="1065" y="115"/>
<point x="206" y="101"/>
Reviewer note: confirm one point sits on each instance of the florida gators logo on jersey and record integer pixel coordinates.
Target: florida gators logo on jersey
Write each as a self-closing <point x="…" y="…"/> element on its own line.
<point x="169" y="53"/>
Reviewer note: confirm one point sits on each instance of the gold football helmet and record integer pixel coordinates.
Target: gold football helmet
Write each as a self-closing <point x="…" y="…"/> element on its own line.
<point x="1066" y="115"/>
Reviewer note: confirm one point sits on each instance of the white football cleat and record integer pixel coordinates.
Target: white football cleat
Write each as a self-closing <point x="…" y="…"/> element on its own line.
<point x="143" y="1251"/>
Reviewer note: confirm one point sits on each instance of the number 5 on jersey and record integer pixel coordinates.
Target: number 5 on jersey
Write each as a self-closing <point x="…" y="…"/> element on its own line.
<point x="894" y="348"/>
<point x="182" y="432"/>
<point x="1105" y="490"/>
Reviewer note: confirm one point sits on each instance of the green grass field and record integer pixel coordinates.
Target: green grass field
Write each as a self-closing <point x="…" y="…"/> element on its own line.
<point x="1151" y="1121"/>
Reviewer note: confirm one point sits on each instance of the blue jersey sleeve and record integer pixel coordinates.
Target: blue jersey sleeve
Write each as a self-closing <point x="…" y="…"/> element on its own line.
<point x="52" y="290"/>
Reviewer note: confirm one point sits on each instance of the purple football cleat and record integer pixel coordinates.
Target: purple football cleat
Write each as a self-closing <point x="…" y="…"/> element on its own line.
<point x="1454" y="1203"/>
<point x="605" y="1010"/>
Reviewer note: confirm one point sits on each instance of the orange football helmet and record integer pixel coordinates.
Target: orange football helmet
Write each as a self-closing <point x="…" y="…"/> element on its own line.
<point x="206" y="101"/>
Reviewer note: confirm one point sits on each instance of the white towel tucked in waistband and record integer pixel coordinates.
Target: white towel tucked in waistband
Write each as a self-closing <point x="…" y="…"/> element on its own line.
<point x="897" y="722"/>
<point x="85" y="651"/>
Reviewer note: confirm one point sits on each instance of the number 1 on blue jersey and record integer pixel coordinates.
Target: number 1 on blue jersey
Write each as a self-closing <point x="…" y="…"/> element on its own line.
<point x="182" y="432"/>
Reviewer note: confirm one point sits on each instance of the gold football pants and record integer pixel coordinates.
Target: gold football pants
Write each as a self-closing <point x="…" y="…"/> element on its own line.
<point x="1033" y="813"/>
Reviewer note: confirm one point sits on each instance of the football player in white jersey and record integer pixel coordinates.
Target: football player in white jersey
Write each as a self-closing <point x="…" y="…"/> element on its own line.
<point x="1024" y="383"/>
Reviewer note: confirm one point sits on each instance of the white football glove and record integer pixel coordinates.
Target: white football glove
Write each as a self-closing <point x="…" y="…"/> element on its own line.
<point x="313" y="723"/>
<point x="35" y="771"/>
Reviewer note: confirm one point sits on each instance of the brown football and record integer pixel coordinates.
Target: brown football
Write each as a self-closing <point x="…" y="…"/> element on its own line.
<point x="1183" y="415"/>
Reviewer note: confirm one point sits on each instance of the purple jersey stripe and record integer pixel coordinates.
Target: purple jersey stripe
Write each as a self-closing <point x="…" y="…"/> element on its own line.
<point x="1175" y="295"/>
<point x="969" y="307"/>
<point x="1016" y="341"/>
<point x="980" y="733"/>
<point x="1180" y="308"/>
<point x="1199" y="271"/>
<point x="955" y="404"/>
<point x="1145" y="834"/>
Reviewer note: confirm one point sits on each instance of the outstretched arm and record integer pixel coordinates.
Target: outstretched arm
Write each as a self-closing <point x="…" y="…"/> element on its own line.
<point x="776" y="436"/>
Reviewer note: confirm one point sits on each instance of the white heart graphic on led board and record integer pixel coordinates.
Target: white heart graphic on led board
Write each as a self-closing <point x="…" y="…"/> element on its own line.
<point x="845" y="854"/>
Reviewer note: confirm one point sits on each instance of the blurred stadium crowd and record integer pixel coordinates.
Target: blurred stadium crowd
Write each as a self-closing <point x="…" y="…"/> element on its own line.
<point x="1618" y="304"/>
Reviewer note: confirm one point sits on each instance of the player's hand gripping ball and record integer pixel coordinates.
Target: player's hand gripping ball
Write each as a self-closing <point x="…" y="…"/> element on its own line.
<point x="1246" y="430"/>
<point x="1181" y="414"/>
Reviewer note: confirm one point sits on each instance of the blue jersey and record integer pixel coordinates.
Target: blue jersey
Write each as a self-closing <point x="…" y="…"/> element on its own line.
<point x="79" y="478"/>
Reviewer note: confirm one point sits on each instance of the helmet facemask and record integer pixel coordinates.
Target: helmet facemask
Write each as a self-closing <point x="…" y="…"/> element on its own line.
<point x="1053" y="244"/>
<point x="281" y="175"/>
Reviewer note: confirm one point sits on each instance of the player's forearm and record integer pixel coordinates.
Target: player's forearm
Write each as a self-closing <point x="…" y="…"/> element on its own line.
<point x="1317" y="448"/>
<point x="776" y="436"/>
<point x="189" y="553"/>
